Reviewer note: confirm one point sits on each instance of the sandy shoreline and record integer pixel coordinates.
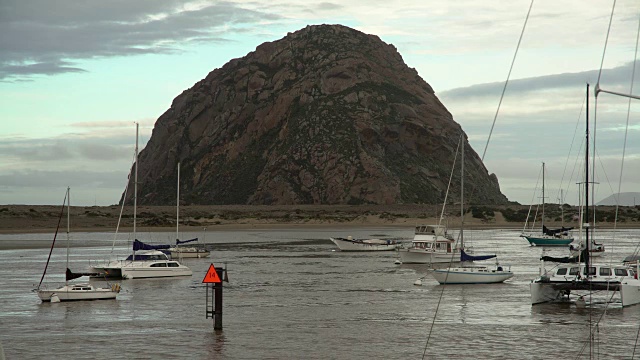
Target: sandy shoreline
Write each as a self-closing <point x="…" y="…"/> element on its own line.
<point x="24" y="219"/>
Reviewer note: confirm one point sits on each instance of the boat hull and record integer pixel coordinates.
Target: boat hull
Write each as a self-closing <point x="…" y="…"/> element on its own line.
<point x="471" y="276"/>
<point x="548" y="241"/>
<point x="82" y="292"/>
<point x="421" y="256"/>
<point x="141" y="270"/>
<point x="564" y="280"/>
<point x="350" y="245"/>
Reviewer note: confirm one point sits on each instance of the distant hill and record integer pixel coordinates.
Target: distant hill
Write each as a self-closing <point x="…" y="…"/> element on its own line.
<point x="624" y="199"/>
<point x="326" y="115"/>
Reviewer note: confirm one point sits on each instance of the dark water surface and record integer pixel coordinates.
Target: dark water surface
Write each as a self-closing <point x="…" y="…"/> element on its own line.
<point x="291" y="295"/>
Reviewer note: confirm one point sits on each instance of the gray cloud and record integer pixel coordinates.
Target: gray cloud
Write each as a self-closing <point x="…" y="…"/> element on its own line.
<point x="45" y="38"/>
<point x="615" y="77"/>
<point x="329" y="6"/>
<point x="54" y="179"/>
<point x="541" y="120"/>
<point x="66" y="148"/>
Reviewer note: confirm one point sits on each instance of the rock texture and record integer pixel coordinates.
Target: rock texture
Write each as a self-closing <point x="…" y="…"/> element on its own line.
<point x="326" y="115"/>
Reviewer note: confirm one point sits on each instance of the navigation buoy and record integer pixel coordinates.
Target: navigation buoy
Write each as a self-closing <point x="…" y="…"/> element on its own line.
<point x="418" y="283"/>
<point x="398" y="262"/>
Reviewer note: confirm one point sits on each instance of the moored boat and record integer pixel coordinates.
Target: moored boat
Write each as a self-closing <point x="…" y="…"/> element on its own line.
<point x="577" y="274"/>
<point x="147" y="261"/>
<point x="73" y="291"/>
<point x="472" y="275"/>
<point x="350" y="244"/>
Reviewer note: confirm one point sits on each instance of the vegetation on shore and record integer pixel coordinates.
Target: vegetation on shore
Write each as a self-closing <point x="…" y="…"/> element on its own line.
<point x="26" y="217"/>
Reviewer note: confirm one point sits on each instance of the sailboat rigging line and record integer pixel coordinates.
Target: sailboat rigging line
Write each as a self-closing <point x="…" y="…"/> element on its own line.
<point x="635" y="344"/>
<point x="453" y="168"/>
<point x="507" y="81"/>
<point x="595" y="123"/>
<point x="624" y="148"/>
<point x="54" y="239"/>
<point x="604" y="51"/>
<point x="626" y="129"/>
<point x="526" y="222"/>
<point x="126" y="187"/>
<point x="435" y="314"/>
<point x="566" y="163"/>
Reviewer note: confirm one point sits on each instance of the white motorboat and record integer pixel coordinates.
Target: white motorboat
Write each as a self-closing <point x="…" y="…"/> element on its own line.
<point x="73" y="292"/>
<point x="431" y="245"/>
<point x="472" y="275"/>
<point x="350" y="244"/>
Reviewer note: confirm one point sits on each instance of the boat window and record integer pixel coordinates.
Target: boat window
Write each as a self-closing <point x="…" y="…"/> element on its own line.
<point x="574" y="271"/>
<point x="173" y="264"/>
<point x="562" y="271"/>
<point x="605" y="271"/>
<point x="592" y="270"/>
<point x="159" y="265"/>
<point x="621" y="272"/>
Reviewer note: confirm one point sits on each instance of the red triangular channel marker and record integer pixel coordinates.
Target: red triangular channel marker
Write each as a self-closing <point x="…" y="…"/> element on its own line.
<point x="212" y="276"/>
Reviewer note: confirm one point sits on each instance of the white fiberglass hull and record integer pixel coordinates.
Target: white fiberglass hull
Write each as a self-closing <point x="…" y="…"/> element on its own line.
<point x="421" y="256"/>
<point x="471" y="275"/>
<point x="78" y="292"/>
<point x="364" y="245"/>
<point x="142" y="269"/>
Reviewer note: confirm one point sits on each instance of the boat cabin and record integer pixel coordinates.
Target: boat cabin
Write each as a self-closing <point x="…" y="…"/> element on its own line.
<point x="148" y="255"/>
<point x="435" y="230"/>
<point x="576" y="270"/>
<point x="441" y="245"/>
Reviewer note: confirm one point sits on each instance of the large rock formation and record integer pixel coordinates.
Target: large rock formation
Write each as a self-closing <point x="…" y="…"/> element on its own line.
<point x="326" y="115"/>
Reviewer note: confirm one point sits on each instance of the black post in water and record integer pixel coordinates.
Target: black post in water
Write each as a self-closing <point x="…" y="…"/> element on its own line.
<point x="214" y="308"/>
<point x="217" y="296"/>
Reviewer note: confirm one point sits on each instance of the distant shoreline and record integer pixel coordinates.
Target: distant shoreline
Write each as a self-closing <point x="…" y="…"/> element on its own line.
<point x="22" y="219"/>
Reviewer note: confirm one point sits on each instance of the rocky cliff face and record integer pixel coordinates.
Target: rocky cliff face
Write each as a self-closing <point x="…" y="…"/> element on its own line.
<point x="326" y="115"/>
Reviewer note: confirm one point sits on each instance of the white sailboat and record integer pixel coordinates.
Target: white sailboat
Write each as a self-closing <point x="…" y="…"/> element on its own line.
<point x="181" y="251"/>
<point x="470" y="274"/>
<point x="73" y="291"/>
<point x="146" y="261"/>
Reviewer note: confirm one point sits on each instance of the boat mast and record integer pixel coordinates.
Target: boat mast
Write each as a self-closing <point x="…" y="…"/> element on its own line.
<point x="462" y="192"/>
<point x="178" y="205"/>
<point x="135" y="192"/>
<point x="543" y="197"/>
<point x="66" y="281"/>
<point x="586" y="185"/>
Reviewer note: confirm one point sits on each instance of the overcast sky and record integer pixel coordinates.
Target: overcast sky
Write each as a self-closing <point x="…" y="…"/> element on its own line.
<point x="75" y="76"/>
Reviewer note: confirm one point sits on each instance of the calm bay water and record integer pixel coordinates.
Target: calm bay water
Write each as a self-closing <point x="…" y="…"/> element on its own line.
<point x="292" y="295"/>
